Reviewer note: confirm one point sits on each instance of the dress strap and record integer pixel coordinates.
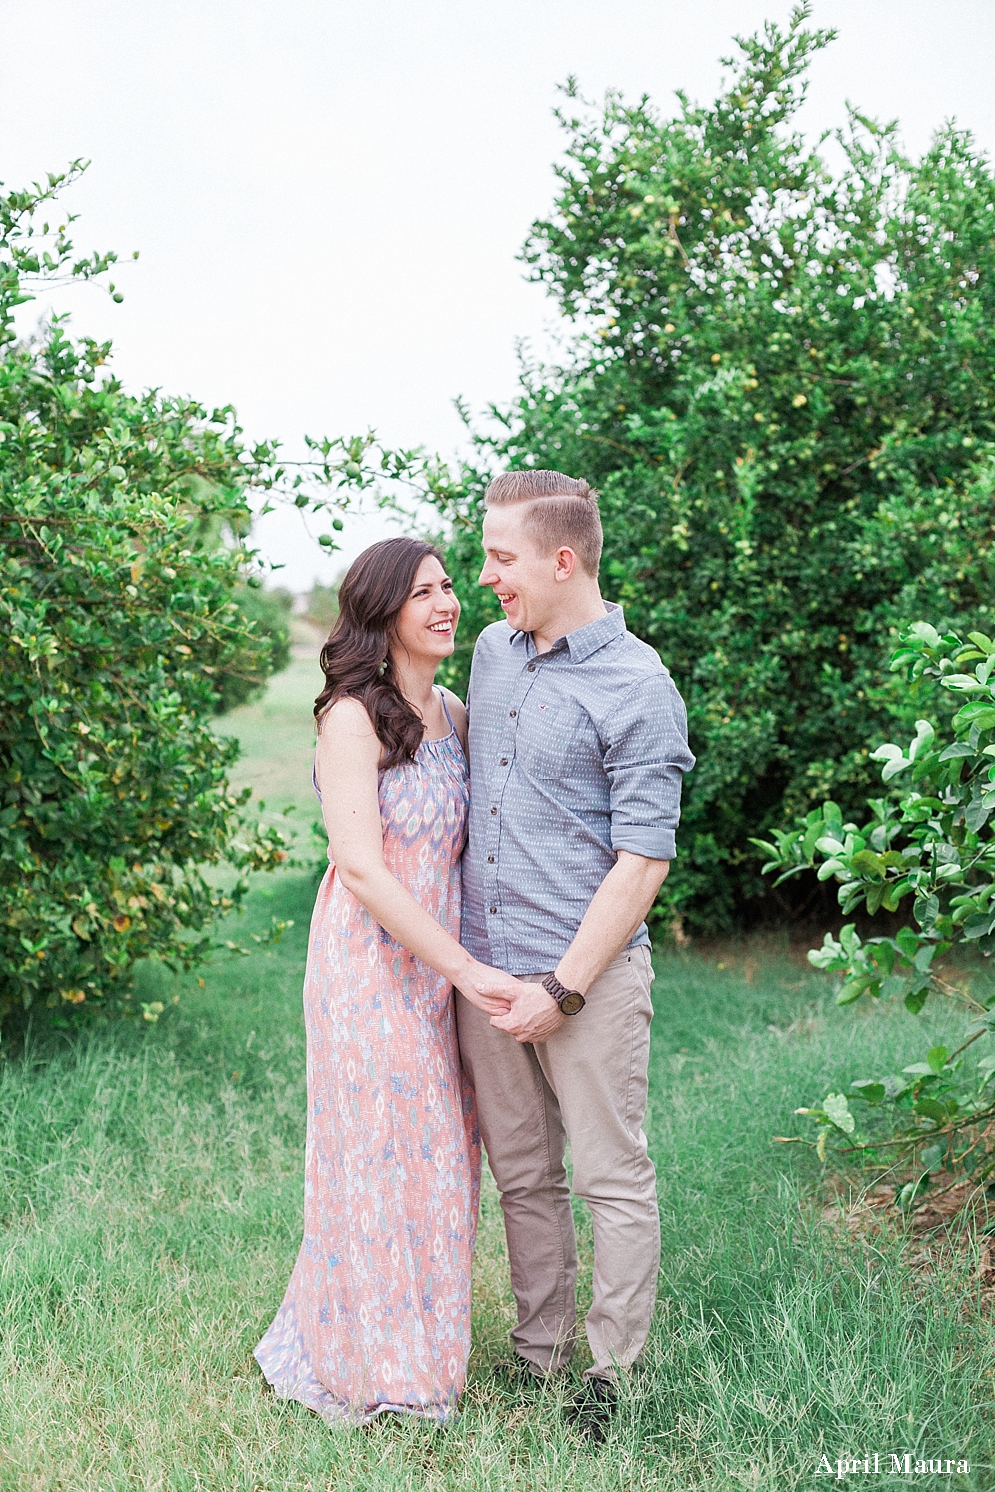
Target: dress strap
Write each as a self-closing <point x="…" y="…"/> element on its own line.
<point x="446" y="708"/>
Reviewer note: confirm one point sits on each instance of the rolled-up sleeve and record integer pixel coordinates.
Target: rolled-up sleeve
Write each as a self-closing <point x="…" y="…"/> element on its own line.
<point x="646" y="757"/>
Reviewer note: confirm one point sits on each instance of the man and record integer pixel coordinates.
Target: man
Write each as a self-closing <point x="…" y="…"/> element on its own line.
<point x="578" y="742"/>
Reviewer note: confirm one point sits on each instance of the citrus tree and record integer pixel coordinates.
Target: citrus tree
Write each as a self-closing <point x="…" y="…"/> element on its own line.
<point x="777" y="366"/>
<point x="927" y="849"/>
<point x="124" y="567"/>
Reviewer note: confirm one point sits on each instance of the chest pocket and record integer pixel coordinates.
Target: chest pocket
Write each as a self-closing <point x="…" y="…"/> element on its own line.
<point x="555" y="740"/>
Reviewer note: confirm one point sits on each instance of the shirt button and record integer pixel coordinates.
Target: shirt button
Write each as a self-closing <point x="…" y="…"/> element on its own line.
<point x="493" y="810"/>
<point x="532" y="668"/>
<point x="512" y="713"/>
<point x="504" y="761"/>
<point x="490" y="859"/>
<point x="493" y="909"/>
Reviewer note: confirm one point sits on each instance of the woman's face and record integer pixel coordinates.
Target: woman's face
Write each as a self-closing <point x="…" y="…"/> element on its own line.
<point x="426" y="624"/>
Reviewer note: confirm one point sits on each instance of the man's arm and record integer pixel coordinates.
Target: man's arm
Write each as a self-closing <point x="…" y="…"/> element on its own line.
<point x="646" y="754"/>
<point x="617" y="908"/>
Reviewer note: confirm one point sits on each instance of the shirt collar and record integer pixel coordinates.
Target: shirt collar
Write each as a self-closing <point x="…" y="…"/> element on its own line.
<point x="585" y="640"/>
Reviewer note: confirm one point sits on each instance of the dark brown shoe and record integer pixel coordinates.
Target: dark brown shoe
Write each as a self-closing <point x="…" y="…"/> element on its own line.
<point x="592" y="1411"/>
<point x="519" y="1379"/>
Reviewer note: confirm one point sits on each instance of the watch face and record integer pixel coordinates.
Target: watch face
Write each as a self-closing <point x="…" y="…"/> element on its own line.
<point x="570" y="1004"/>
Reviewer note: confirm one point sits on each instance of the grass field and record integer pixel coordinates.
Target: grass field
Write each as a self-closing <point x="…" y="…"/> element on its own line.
<point x="152" y="1211"/>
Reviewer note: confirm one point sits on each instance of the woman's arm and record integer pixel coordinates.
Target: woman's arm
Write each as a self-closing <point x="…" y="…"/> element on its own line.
<point x="347" y="763"/>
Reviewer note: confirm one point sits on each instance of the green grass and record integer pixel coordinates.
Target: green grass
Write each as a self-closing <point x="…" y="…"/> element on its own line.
<point x="152" y="1211"/>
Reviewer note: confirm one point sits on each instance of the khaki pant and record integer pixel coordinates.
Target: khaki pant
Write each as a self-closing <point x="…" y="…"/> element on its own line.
<point x="587" y="1082"/>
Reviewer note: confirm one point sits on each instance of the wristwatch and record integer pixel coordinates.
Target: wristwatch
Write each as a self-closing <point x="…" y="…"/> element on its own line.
<point x="569" y="1000"/>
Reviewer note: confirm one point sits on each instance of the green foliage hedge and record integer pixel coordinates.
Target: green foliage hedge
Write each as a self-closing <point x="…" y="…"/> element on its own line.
<point x="781" y="379"/>
<point x="128" y="618"/>
<point x="927" y="849"/>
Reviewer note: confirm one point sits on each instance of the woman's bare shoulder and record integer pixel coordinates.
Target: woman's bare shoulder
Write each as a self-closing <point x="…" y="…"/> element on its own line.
<point x="457" y="713"/>
<point x="346" y="717"/>
<point x="457" y="708"/>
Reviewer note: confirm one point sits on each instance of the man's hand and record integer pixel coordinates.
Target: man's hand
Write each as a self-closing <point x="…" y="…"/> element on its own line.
<point x="534" y="1014"/>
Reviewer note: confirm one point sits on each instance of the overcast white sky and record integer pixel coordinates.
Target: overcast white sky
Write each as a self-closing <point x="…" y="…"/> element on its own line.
<point x="329" y="198"/>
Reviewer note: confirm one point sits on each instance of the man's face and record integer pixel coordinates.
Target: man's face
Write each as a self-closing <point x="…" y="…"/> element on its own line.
<point x="522" y="579"/>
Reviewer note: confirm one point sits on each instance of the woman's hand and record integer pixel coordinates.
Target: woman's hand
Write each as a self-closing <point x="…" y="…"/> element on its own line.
<point x="491" y="990"/>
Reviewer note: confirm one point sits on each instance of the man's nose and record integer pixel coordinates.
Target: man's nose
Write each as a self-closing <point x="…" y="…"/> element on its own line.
<point x="487" y="575"/>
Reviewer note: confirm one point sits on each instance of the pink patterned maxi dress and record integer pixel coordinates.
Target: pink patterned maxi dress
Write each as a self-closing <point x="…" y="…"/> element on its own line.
<point x="377" y="1313"/>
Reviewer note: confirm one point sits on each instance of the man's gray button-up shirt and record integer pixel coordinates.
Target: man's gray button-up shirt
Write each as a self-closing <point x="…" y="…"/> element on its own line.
<point x="575" y="754"/>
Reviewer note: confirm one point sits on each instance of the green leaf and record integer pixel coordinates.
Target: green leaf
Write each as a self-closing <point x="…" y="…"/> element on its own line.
<point x="936" y="1057"/>
<point x="838" y="1112"/>
<point x="955" y="750"/>
<point x="924" y="737"/>
<point x="912" y="1192"/>
<point x="849" y="939"/>
<point x="867" y="863"/>
<point x="977" y="813"/>
<point x="981" y="715"/>
<point x="883" y="954"/>
<point x="916" y="999"/>
<point x="928" y="1108"/>
<point x="867" y="1089"/>
<point x="893" y="895"/>
<point x="908" y="942"/>
<point x="978" y="924"/>
<point x="887" y="753"/>
<point x="875" y="896"/>
<point x="833" y="818"/>
<point x="925" y="910"/>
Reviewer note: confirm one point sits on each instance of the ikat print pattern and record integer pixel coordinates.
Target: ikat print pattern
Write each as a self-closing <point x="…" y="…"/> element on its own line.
<point x="377" y="1313"/>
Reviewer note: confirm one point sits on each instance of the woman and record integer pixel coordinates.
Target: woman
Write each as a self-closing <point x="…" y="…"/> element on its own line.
<point x="377" y="1313"/>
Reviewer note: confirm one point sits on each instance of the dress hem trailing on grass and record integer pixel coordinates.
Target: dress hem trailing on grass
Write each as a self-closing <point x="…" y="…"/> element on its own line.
<point x="305" y="1388"/>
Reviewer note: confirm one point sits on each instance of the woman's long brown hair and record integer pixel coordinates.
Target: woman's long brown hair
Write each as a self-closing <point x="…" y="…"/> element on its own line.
<point x="356" y="658"/>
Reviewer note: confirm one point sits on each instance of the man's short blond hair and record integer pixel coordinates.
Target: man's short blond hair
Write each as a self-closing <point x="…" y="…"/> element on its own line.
<point x="561" y="511"/>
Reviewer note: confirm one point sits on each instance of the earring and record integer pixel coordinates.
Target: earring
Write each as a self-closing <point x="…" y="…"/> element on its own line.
<point x="383" y="668"/>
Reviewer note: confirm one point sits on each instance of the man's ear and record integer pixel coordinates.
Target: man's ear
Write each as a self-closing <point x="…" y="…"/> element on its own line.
<point x="566" y="563"/>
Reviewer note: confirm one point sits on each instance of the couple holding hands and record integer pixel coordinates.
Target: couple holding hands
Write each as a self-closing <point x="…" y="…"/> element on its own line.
<point x="479" y="967"/>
